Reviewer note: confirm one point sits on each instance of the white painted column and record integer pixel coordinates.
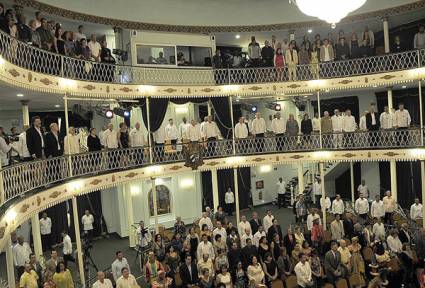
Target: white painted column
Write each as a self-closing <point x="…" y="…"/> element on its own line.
<point x="78" y="240"/>
<point x="390" y="97"/>
<point x="25" y="113"/>
<point x="155" y="204"/>
<point x="235" y="176"/>
<point x="320" y="117"/>
<point x="233" y="125"/>
<point x="300" y="178"/>
<point x="65" y="100"/>
<point x="423" y="188"/>
<point x="130" y="214"/>
<point x="393" y="176"/>
<point x="386" y="35"/>
<point x="9" y="264"/>
<point x="214" y="179"/>
<point x="209" y="108"/>
<point x="36" y="236"/>
<point x="421" y="121"/>
<point x="353" y="197"/>
<point x="150" y="140"/>
<point x="322" y="184"/>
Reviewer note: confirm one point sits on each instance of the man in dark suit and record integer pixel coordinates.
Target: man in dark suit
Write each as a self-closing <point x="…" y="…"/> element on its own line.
<point x="54" y="143"/>
<point x="404" y="235"/>
<point x="35" y="139"/>
<point x="248" y="252"/>
<point x="255" y="222"/>
<point x="372" y="119"/>
<point x="274" y="229"/>
<point x="189" y="273"/>
<point x="333" y="266"/>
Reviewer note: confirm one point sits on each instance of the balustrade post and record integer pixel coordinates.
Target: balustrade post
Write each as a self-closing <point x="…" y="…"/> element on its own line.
<point x="9" y="263"/>
<point x="423" y="188"/>
<point x="233" y="126"/>
<point x="418" y="52"/>
<point x="214" y="178"/>
<point x="300" y="178"/>
<point x="235" y="179"/>
<point x="386" y="35"/>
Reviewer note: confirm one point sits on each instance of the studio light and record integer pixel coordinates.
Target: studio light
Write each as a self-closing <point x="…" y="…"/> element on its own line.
<point x="254" y="109"/>
<point x="109" y="114"/>
<point x="123" y="112"/>
<point x="277" y="107"/>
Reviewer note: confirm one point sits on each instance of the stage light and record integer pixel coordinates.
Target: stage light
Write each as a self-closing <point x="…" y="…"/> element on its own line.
<point x="254" y="109"/>
<point x="126" y="113"/>
<point x="277" y="107"/>
<point x="122" y="112"/>
<point x="109" y="114"/>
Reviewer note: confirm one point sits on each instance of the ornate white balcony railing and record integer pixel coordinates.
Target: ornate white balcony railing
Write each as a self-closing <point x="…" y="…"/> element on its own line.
<point x="21" y="178"/>
<point x="42" y="61"/>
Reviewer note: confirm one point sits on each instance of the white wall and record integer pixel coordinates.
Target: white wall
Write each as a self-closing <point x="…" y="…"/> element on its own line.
<point x="11" y="118"/>
<point x="370" y="173"/>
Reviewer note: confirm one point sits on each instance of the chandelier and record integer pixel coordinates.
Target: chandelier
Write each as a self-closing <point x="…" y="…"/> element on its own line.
<point x="331" y="11"/>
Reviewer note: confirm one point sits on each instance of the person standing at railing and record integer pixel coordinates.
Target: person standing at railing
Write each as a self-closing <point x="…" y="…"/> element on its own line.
<point x="342" y="50"/>
<point x="402" y="122"/>
<point x="93" y="141"/>
<point x="372" y="124"/>
<point x="337" y="128"/>
<point x="137" y="140"/>
<point x="267" y="53"/>
<point x="361" y="207"/>
<point x="87" y="221"/>
<point x="211" y="134"/>
<point x="314" y="61"/>
<point x="292" y="130"/>
<point x="54" y="142"/>
<point x="5" y="148"/>
<point x="171" y="134"/>
<point x="80" y="34"/>
<point x="419" y="39"/>
<point x="326" y="124"/>
<point x="291" y="57"/>
<point x="306" y="129"/>
<point x="349" y="126"/>
<point x="416" y="210"/>
<point x="111" y="143"/>
<point x="183" y="130"/>
<point x="35" y="139"/>
<point x="387" y="123"/>
<point x="94" y="47"/>
<point x="279" y="128"/>
<point x="72" y="142"/>
<point x="258" y="131"/>
<point x="241" y="133"/>
<point x="279" y="63"/>
<point x="254" y="52"/>
<point x="46" y="35"/>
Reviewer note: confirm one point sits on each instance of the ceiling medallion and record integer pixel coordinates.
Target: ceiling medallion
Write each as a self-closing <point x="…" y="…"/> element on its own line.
<point x="330" y="11"/>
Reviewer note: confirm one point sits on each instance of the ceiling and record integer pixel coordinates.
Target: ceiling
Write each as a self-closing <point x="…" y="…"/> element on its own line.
<point x="204" y="12"/>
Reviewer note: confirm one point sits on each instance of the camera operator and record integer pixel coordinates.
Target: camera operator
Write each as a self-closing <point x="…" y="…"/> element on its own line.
<point x="144" y="236"/>
<point x="87" y="220"/>
<point x="5" y="148"/>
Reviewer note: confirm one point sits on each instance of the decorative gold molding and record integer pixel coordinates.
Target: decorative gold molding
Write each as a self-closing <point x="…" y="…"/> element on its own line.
<point x="17" y="213"/>
<point x="49" y="9"/>
<point x="21" y="77"/>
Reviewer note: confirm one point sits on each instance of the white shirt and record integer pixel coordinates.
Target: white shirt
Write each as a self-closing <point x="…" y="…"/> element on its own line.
<point x="67" y="245"/>
<point x="130" y="282"/>
<point x="207" y="221"/>
<point x="303" y="272"/>
<point x="79" y="36"/>
<point x="416" y="211"/>
<point x="316" y="124"/>
<point x="221" y="232"/>
<point x="362" y="123"/>
<point x="159" y="135"/>
<point x="171" y="132"/>
<point x="194" y="133"/>
<point x="389" y="204"/>
<point x="23" y="149"/>
<point x="377" y="209"/>
<point x="102" y="137"/>
<point x="94" y="48"/>
<point x="106" y="284"/>
<point x="137" y="139"/>
<point x="145" y="238"/>
<point x="244" y="238"/>
<point x="205" y="249"/>
<point x="183" y="130"/>
<point x="87" y="222"/>
<point x="117" y="266"/>
<point x="110" y="139"/>
<point x="242" y="226"/>
<point x="372" y="117"/>
<point x="363" y="190"/>
<point x="278" y="126"/>
<point x="327" y="56"/>
<point x="258" y="126"/>
<point x="241" y="131"/>
<point x="210" y="129"/>
<point x="386" y="120"/>
<point x="378" y="230"/>
<point x="310" y="218"/>
<point x="268" y="222"/>
<point x="325" y="203"/>
<point x="45" y="226"/>
<point x="280" y="187"/>
<point x="337" y="123"/>
<point x="72" y="144"/>
<point x="229" y="197"/>
<point x="349" y="123"/>
<point x="362" y="206"/>
<point x="257" y="237"/>
<point x="402" y="118"/>
<point x="41" y="136"/>
<point x="419" y="41"/>
<point x="394" y="244"/>
<point x="317" y="189"/>
<point x="338" y="207"/>
<point x="21" y="254"/>
<point x="4" y="150"/>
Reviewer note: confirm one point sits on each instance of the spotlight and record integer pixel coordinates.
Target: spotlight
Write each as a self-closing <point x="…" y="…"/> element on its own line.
<point x="237" y="36"/>
<point x="254" y="109"/>
<point x="277" y="107"/>
<point x="122" y="112"/>
<point x="109" y="114"/>
<point x="126" y="113"/>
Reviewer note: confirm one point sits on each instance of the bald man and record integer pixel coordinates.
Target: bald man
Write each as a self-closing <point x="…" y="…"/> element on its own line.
<point x="102" y="282"/>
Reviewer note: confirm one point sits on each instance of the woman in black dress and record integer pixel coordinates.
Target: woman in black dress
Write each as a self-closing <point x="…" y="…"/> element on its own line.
<point x="124" y="143"/>
<point x="270" y="269"/>
<point x="354" y="46"/>
<point x="306" y="129"/>
<point x="59" y="42"/>
<point x="93" y="141"/>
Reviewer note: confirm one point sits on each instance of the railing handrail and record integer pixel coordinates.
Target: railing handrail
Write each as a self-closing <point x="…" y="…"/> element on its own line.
<point x="73" y="68"/>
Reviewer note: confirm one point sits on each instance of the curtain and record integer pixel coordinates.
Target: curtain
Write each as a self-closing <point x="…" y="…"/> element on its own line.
<point x="340" y="103"/>
<point x="223" y="118"/>
<point x="50" y="117"/>
<point x="384" y="175"/>
<point x="408" y="182"/>
<point x="344" y="181"/>
<point x="157" y="110"/>
<point x="58" y="215"/>
<point x="181" y="101"/>
<point x="207" y="194"/>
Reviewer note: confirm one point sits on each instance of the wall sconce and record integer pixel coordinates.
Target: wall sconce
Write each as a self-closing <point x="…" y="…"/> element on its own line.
<point x="186" y="183"/>
<point x="10" y="216"/>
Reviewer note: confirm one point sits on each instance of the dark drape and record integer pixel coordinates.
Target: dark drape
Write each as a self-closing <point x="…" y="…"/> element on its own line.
<point x="207" y="194"/>
<point x="244" y="182"/>
<point x="50" y="117"/>
<point x="410" y="99"/>
<point x="237" y="113"/>
<point x="408" y="182"/>
<point x="181" y="101"/>
<point x="223" y="119"/>
<point x="225" y="181"/>
<point x="385" y="177"/>
<point x="157" y="110"/>
<point x="91" y="202"/>
<point x="344" y="181"/>
<point x="58" y="215"/>
<point x="340" y="103"/>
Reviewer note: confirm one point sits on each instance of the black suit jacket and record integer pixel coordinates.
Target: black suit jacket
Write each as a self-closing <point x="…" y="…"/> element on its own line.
<point x="403" y="237"/>
<point x="254" y="225"/>
<point x="247" y="253"/>
<point x="273" y="230"/>
<point x="51" y="145"/>
<point x="369" y="125"/>
<point x="34" y="142"/>
<point x="289" y="245"/>
<point x="185" y="275"/>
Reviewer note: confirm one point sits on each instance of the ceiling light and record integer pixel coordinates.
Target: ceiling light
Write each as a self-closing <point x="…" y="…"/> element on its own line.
<point x="20" y="95"/>
<point x="404" y="87"/>
<point x="57" y="106"/>
<point x="310" y="30"/>
<point x="334" y="11"/>
<point x="237" y="36"/>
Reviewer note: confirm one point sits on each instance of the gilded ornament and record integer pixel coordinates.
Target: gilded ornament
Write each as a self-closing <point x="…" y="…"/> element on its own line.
<point x="46" y="81"/>
<point x="89" y="87"/>
<point x="255" y="88"/>
<point x="170" y="90"/>
<point x="14" y="73"/>
<point x="95" y="182"/>
<point x="131" y="175"/>
<point x="24" y="208"/>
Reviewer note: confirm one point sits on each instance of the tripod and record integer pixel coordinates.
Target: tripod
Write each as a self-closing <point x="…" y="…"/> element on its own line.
<point x="88" y="260"/>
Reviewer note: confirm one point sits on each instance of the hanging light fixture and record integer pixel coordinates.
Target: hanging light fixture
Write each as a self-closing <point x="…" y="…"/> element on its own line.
<point x="331" y="11"/>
